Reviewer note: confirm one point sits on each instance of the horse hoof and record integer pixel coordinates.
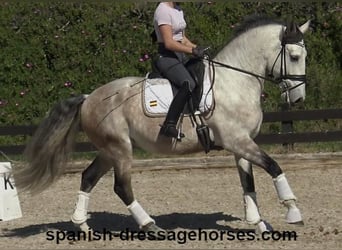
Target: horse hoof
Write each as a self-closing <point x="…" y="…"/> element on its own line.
<point x="263" y="226"/>
<point x="83" y="227"/>
<point x="297" y="223"/>
<point x="294" y="216"/>
<point x="156" y="231"/>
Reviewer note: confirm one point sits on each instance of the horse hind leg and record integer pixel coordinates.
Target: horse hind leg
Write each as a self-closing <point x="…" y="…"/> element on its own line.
<point x="123" y="188"/>
<point x="252" y="214"/>
<point x="90" y="177"/>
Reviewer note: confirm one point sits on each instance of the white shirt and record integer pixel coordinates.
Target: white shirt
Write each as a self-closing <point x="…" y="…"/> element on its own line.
<point x="165" y="14"/>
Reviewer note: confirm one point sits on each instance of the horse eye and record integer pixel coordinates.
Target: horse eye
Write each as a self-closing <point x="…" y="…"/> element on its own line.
<point x="294" y="58"/>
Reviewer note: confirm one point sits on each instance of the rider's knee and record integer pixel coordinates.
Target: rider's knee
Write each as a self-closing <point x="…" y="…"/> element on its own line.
<point x="189" y="85"/>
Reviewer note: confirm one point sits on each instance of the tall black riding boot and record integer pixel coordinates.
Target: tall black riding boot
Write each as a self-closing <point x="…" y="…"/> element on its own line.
<point x="177" y="105"/>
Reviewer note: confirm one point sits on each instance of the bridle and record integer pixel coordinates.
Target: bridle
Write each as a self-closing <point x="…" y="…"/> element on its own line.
<point x="285" y="87"/>
<point x="292" y="35"/>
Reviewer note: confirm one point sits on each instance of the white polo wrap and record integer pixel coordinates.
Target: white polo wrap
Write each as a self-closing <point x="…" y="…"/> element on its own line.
<point x="283" y="188"/>
<point x="81" y="208"/>
<point x="139" y="214"/>
<point x="252" y="215"/>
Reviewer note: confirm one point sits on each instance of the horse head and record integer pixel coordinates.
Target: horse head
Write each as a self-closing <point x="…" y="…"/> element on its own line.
<point x="289" y="66"/>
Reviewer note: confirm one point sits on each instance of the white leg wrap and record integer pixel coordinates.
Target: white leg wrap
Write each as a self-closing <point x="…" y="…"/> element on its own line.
<point x="81" y="208"/>
<point x="263" y="226"/>
<point x="287" y="197"/>
<point x="252" y="215"/>
<point x="283" y="188"/>
<point x="139" y="214"/>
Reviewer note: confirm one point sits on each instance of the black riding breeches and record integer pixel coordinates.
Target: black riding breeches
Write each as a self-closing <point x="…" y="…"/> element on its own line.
<point x="175" y="71"/>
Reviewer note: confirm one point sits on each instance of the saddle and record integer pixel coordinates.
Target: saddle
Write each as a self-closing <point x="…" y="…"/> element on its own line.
<point x="158" y="94"/>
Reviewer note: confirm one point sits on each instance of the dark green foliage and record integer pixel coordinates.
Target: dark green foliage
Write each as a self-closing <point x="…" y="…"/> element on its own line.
<point x="53" y="50"/>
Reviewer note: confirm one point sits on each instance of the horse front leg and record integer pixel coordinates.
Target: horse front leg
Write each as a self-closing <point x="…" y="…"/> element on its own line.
<point x="288" y="199"/>
<point x="284" y="191"/>
<point x="246" y="148"/>
<point x="252" y="214"/>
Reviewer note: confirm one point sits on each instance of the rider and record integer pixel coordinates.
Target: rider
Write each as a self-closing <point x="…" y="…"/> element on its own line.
<point x="169" y="26"/>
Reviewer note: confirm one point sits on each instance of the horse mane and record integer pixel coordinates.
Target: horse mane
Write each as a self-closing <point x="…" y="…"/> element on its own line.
<point x="292" y="33"/>
<point x="253" y="21"/>
<point x="249" y="22"/>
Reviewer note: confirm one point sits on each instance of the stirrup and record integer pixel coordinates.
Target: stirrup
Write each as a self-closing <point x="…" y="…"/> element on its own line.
<point x="170" y="130"/>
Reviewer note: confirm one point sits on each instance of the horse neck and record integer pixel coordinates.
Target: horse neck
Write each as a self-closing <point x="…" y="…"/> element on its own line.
<point x="250" y="50"/>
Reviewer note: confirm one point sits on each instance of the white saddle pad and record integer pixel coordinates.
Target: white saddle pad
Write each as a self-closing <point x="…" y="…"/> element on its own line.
<point x="158" y="95"/>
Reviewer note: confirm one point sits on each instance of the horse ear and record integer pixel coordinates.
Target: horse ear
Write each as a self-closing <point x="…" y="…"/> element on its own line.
<point x="293" y="27"/>
<point x="289" y="27"/>
<point x="305" y="27"/>
<point x="292" y="33"/>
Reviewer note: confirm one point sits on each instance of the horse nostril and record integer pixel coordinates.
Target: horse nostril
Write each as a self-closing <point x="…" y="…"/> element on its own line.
<point x="299" y="100"/>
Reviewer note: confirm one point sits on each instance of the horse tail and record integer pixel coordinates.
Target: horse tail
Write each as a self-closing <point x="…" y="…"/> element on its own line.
<point x="47" y="152"/>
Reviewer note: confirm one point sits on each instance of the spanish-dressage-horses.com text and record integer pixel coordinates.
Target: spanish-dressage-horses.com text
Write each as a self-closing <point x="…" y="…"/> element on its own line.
<point x="180" y="237"/>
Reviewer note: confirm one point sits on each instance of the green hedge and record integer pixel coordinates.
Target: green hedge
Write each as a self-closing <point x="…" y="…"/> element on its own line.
<point x="52" y="50"/>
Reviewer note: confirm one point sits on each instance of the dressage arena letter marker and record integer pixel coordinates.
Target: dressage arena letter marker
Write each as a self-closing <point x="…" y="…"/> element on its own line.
<point x="9" y="201"/>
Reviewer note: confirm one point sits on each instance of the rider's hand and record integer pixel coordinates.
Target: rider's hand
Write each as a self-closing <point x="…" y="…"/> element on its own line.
<point x="199" y="51"/>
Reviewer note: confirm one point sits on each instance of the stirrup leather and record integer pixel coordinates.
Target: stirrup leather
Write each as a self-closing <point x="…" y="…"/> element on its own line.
<point x="203" y="133"/>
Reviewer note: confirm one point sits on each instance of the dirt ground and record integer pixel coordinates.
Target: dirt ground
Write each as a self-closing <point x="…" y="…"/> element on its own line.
<point x="209" y="199"/>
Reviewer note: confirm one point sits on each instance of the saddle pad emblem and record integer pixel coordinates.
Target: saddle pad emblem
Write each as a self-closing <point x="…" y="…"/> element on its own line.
<point x="153" y="103"/>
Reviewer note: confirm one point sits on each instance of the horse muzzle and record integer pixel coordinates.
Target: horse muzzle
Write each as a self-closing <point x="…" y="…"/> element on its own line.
<point x="293" y="91"/>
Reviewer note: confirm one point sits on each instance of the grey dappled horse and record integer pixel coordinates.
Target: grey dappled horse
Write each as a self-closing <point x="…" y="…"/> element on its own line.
<point x="113" y="118"/>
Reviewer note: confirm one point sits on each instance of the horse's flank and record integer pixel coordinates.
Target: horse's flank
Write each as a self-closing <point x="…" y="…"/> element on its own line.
<point x="104" y="113"/>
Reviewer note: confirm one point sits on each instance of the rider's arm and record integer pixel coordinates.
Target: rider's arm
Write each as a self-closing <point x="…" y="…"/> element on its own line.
<point x="170" y="43"/>
<point x="187" y="42"/>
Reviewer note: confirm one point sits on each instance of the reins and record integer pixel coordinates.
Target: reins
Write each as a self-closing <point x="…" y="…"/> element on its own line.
<point x="291" y="35"/>
<point x="242" y="71"/>
<point x="283" y="71"/>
